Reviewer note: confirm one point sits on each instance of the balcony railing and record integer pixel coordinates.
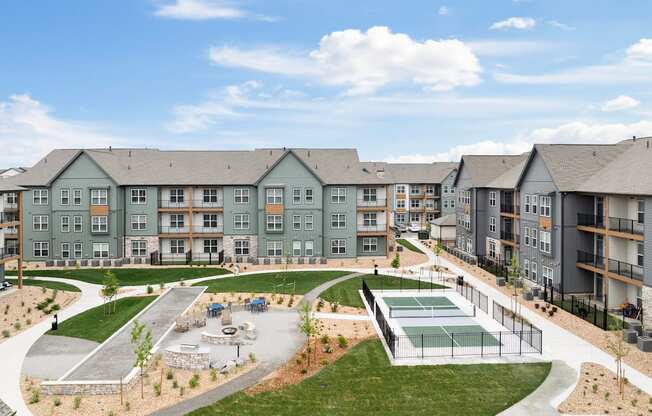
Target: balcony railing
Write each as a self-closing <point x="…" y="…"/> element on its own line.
<point x="6" y="252"/>
<point x="202" y="203"/>
<point x="621" y="268"/>
<point x="378" y="202"/>
<point x="11" y="205"/>
<point x="372" y="227"/>
<point x="507" y="235"/>
<point x="8" y="217"/>
<point x="167" y="203"/>
<point x="623" y="225"/>
<point x="507" y="208"/>
<point x="219" y="228"/>
<point x="166" y="229"/>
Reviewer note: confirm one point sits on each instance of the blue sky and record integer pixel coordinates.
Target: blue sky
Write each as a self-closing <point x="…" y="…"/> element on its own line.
<point x="408" y="81"/>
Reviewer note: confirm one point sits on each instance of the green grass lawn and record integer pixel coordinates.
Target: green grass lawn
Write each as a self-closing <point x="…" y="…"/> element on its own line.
<point x="265" y="282"/>
<point x="405" y="243"/>
<point x="131" y="277"/>
<point x="346" y="293"/>
<point x="48" y="285"/>
<point x="95" y="326"/>
<point x="363" y="382"/>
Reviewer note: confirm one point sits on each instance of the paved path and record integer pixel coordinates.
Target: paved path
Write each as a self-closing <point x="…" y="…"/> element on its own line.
<point x="115" y="357"/>
<point x="312" y="296"/>
<point x="52" y="356"/>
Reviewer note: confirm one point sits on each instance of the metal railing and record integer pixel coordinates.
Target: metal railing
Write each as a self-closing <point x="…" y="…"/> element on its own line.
<point x="462" y="255"/>
<point x="625" y="225"/>
<point x="474" y="296"/>
<point x="199" y="229"/>
<point x="371" y="227"/>
<point x="507" y="235"/>
<point x="527" y="332"/>
<point x="8" y="217"/>
<point x="166" y="229"/>
<point x="167" y="203"/>
<point x="590" y="259"/>
<point x="509" y="208"/>
<point x="590" y="220"/>
<point x="377" y="202"/>
<point x="621" y="268"/>
<point x="6" y="252"/>
<point x="202" y="203"/>
<point x="158" y="258"/>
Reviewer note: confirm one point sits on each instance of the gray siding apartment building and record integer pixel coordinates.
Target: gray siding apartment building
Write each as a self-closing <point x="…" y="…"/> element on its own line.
<point x="267" y="204"/>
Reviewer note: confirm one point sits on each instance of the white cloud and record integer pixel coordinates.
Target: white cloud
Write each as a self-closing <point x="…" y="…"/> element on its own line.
<point x="444" y="11"/>
<point x="559" y="25"/>
<point x="622" y="102"/>
<point x="28" y="130"/>
<point x="206" y="10"/>
<point x="366" y="61"/>
<point x="520" y="23"/>
<point x="571" y="133"/>
<point x="634" y="67"/>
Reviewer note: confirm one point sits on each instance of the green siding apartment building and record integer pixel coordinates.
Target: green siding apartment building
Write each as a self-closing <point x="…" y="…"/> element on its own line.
<point x="101" y="205"/>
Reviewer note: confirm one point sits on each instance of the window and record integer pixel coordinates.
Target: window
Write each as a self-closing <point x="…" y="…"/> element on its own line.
<point x="415" y="203"/>
<point x="415" y="217"/>
<point x="492" y="199"/>
<point x="65" y="200"/>
<point x="241" y="195"/>
<point x="40" y="222"/>
<point x="544" y="237"/>
<point x="534" y="204"/>
<point x="100" y="250"/>
<point x="546" y="203"/>
<point x="77" y="223"/>
<point x="99" y="224"/>
<point x="138" y="222"/>
<point x="65" y="250"/>
<point x="533" y="236"/>
<point x="138" y="196"/>
<point x="430" y="216"/>
<point x="526" y="268"/>
<point x="445" y="204"/>
<point x="370" y="219"/>
<point x="533" y="271"/>
<point x="274" y="223"/>
<point x="338" y="195"/>
<point x="40" y="196"/>
<point x="445" y="189"/>
<point x="241" y="221"/>
<point x="467" y="221"/>
<point x="177" y="221"/>
<point x="400" y="203"/>
<point x="526" y="237"/>
<point x="65" y="224"/>
<point x="526" y="208"/>
<point x="640" y="253"/>
<point x="338" y="246"/>
<point x="466" y="199"/>
<point x="139" y="248"/>
<point x="309" y="248"/>
<point x="547" y="276"/>
<point x="492" y="248"/>
<point x="274" y="248"/>
<point x="210" y="221"/>
<point x="369" y="245"/>
<point x="274" y="196"/>
<point x="177" y="246"/>
<point x="296" y="195"/>
<point x="399" y="218"/>
<point x="296" y="222"/>
<point x="209" y="196"/>
<point x="211" y="246"/>
<point x="400" y="189"/>
<point x="241" y="247"/>
<point x="452" y="203"/>
<point x="369" y="195"/>
<point x="415" y="190"/>
<point x="76" y="196"/>
<point x="338" y="220"/>
<point x="41" y="249"/>
<point x="309" y="223"/>
<point x="77" y="250"/>
<point x="640" y="211"/>
<point x="12" y="198"/>
<point x="309" y="196"/>
<point x="99" y="196"/>
<point x="177" y="196"/>
<point x="492" y="224"/>
<point x="296" y="248"/>
<point x="430" y="189"/>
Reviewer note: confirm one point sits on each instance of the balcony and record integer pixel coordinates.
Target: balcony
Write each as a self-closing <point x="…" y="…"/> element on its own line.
<point x="9" y="252"/>
<point x="372" y="228"/>
<point x="616" y="224"/>
<point x="166" y="229"/>
<point x="7" y="218"/>
<point x="214" y="204"/>
<point x="172" y="204"/>
<point x="10" y="206"/>
<point x="590" y="259"/>
<point x="372" y="203"/>
<point x="507" y="235"/>
<point x="630" y="271"/>
<point x="198" y="229"/>
<point x="509" y="208"/>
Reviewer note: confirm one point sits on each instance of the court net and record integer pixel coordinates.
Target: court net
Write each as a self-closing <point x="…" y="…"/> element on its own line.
<point x="426" y="311"/>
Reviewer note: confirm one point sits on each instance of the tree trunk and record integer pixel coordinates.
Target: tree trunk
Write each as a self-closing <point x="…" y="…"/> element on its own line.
<point x="142" y="384"/>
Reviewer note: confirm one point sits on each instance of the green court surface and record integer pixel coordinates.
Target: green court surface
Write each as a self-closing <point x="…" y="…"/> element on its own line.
<point x="419" y="301"/>
<point x="439" y="336"/>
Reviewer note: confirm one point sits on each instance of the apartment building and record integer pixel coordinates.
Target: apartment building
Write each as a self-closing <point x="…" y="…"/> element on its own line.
<point x="82" y="204"/>
<point x="486" y="209"/>
<point x="421" y="192"/>
<point x="10" y="225"/>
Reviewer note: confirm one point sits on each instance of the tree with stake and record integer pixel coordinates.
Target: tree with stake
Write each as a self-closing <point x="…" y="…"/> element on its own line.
<point x="438" y="249"/>
<point x="619" y="349"/>
<point x="308" y="325"/>
<point x="514" y="271"/>
<point x="110" y="291"/>
<point x="142" y="351"/>
<point x="396" y="262"/>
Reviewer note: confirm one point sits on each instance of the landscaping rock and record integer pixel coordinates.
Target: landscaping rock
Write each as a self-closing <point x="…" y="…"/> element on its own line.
<point x="644" y="344"/>
<point x="500" y="281"/>
<point x="630" y="336"/>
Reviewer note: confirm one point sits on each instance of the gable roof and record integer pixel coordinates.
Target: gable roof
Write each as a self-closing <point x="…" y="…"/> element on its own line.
<point x="419" y="172"/>
<point x="446" y="221"/>
<point x="509" y="178"/>
<point x="484" y="169"/>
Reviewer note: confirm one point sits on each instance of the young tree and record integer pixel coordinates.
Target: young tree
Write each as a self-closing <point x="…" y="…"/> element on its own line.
<point x="110" y="291"/>
<point x="514" y="272"/>
<point x="396" y="263"/>
<point x="617" y="346"/>
<point x="438" y="249"/>
<point x="308" y="325"/>
<point x="142" y="351"/>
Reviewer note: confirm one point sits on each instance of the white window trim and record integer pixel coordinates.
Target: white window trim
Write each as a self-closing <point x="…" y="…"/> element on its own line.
<point x="138" y="196"/>
<point x="64" y="190"/>
<point x="311" y="222"/>
<point x="67" y="217"/>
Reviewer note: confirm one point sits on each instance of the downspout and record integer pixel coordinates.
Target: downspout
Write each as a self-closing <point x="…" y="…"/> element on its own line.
<point x="475" y="218"/>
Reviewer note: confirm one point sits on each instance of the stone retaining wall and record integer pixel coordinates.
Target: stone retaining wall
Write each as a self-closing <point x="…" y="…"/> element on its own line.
<point x="187" y="360"/>
<point x="78" y="388"/>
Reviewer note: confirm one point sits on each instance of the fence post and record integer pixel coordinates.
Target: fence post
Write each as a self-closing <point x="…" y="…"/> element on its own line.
<point x="520" y="343"/>
<point x="500" y="343"/>
<point x="422" y="346"/>
<point x="595" y="313"/>
<point x="482" y="344"/>
<point x="452" y="345"/>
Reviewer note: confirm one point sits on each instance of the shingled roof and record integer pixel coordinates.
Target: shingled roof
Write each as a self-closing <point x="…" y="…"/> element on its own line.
<point x="420" y="172"/>
<point x="485" y="169"/>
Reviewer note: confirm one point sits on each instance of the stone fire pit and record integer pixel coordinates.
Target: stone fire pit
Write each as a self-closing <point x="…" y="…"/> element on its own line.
<point x="230" y="330"/>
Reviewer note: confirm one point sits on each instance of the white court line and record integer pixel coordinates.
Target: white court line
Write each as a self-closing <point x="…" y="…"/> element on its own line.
<point x="449" y="336"/>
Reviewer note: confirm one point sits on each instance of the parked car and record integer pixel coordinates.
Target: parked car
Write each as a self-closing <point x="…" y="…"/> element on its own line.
<point x="414" y="227"/>
<point x="401" y="227"/>
<point x="5" y="285"/>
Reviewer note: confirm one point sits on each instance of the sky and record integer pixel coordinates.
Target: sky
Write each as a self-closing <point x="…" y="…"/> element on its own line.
<point x="410" y="81"/>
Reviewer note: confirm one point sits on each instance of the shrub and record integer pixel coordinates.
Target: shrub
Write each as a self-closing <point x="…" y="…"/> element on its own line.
<point x="150" y="290"/>
<point x="594" y="388"/>
<point x="334" y="307"/>
<point x="279" y="301"/>
<point x="175" y="384"/>
<point x="76" y="402"/>
<point x="36" y="396"/>
<point x="182" y="391"/>
<point x="17" y="326"/>
<point x="57" y="402"/>
<point x="252" y="357"/>
<point x="324" y="362"/>
<point x="169" y="375"/>
<point x="127" y="406"/>
<point x="55" y="307"/>
<point x="194" y="381"/>
<point x="342" y="342"/>
<point x="161" y="286"/>
<point x="28" y="322"/>
<point x="320" y="304"/>
<point x="304" y="370"/>
<point x="328" y="349"/>
<point x="55" y="292"/>
<point x="213" y="373"/>
<point x="157" y="389"/>
<point x="6" y="333"/>
<point x="43" y="289"/>
<point x="325" y="339"/>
